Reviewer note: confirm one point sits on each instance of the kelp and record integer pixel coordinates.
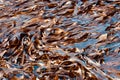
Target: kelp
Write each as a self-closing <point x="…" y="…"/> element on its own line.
<point x="59" y="39"/>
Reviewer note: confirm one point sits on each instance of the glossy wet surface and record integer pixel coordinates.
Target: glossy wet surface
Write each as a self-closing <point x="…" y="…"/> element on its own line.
<point x="60" y="39"/>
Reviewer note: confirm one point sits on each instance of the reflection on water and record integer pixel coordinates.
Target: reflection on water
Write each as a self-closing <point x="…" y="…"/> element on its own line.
<point x="86" y="43"/>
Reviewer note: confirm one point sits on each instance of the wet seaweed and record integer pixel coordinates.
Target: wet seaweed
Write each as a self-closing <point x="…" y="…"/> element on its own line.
<point x="59" y="40"/>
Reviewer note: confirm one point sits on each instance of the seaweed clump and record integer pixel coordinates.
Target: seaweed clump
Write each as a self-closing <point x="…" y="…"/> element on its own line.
<point x="59" y="39"/>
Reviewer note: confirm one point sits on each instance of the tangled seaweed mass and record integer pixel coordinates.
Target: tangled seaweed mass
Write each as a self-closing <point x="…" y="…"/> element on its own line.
<point x="59" y="40"/>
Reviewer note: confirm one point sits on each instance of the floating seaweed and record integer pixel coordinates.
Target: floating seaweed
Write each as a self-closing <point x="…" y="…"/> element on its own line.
<point x="59" y="40"/>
